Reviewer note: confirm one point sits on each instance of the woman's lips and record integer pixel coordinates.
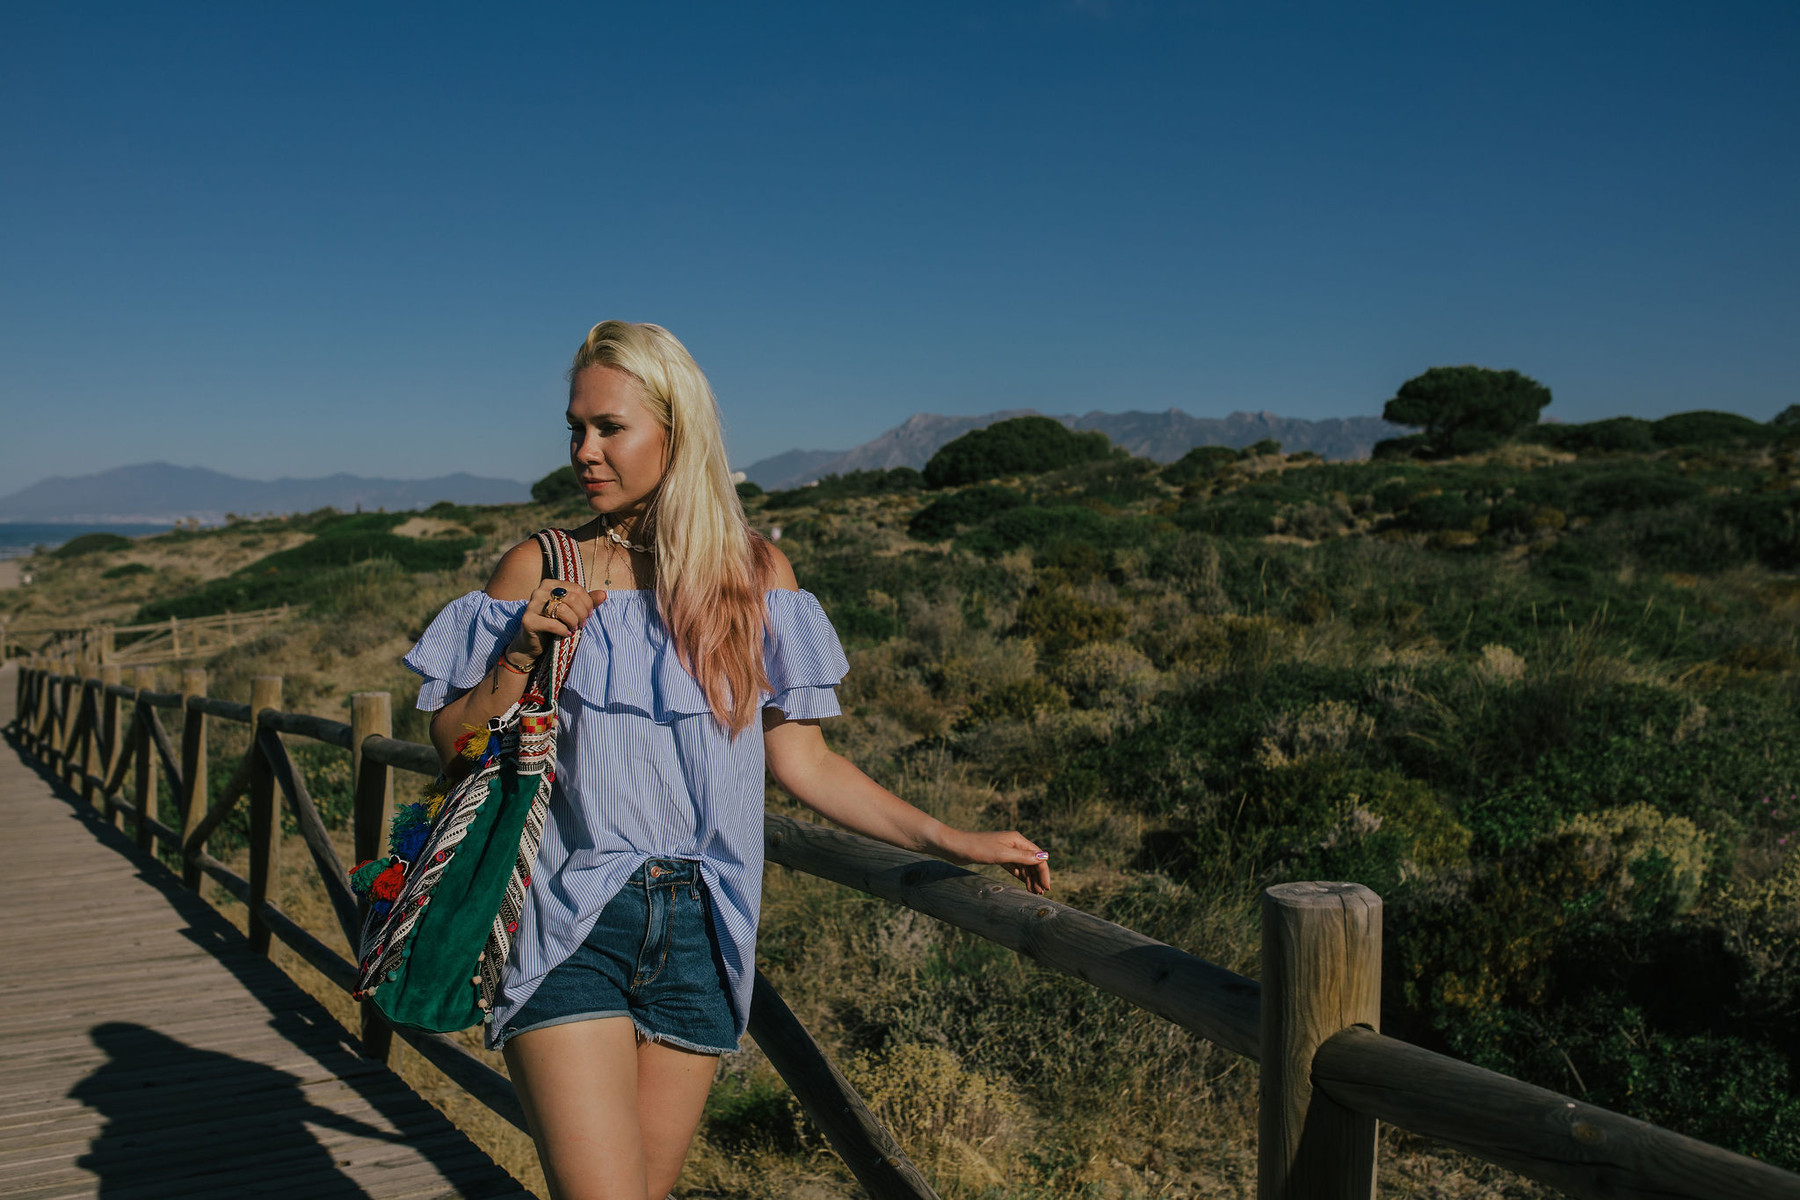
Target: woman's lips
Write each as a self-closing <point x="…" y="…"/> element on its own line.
<point x="594" y="485"/>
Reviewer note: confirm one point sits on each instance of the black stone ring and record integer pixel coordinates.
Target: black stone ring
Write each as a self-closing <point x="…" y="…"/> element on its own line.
<point x="559" y="593"/>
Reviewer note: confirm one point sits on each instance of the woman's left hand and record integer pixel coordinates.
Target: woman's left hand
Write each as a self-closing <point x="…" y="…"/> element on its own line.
<point x="1011" y="849"/>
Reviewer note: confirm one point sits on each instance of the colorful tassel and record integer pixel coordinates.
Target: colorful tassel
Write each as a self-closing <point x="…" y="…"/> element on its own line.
<point x="387" y="885"/>
<point x="363" y="877"/>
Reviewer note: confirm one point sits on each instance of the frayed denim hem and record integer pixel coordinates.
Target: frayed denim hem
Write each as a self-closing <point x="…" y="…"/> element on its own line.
<point x="509" y="1033"/>
<point x="646" y="1034"/>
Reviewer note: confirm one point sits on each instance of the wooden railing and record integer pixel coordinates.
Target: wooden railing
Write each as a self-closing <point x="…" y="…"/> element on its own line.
<point x="1327" y="1075"/>
<point x="149" y="644"/>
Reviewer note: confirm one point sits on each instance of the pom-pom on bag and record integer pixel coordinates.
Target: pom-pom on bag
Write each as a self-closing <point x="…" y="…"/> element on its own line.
<point x="445" y="903"/>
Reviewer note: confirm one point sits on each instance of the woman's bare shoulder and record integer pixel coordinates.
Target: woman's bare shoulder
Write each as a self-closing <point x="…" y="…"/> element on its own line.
<point x="779" y="571"/>
<point x="519" y="572"/>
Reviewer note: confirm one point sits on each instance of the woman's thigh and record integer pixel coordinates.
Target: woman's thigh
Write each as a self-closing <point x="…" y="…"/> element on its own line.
<point x="579" y="1085"/>
<point x="672" y="1084"/>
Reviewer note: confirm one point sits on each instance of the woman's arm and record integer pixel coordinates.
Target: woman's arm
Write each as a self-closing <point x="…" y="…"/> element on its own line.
<point x="518" y="577"/>
<point x="833" y="787"/>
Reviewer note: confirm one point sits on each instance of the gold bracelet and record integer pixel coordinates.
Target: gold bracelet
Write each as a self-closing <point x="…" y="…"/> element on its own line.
<point x="510" y="667"/>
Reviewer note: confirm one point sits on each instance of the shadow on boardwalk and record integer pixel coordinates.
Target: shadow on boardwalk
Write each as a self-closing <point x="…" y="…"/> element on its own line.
<point x="176" y="1115"/>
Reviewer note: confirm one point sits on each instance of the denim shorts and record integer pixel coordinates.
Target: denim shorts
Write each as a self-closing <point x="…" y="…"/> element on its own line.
<point x="650" y="957"/>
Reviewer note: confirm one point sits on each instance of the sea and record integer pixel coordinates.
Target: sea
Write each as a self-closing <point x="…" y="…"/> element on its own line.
<point x="18" y="540"/>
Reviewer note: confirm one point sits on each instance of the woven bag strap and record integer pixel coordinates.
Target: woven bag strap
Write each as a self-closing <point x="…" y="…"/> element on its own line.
<point x="564" y="557"/>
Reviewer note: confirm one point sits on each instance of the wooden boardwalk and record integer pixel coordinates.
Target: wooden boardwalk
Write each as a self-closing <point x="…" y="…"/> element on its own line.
<point x="146" y="1052"/>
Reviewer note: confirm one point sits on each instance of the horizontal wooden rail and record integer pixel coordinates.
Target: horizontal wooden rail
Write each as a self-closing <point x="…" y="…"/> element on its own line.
<point x="219" y="708"/>
<point x="408" y="756"/>
<point x="1219" y="1005"/>
<point x="1586" y="1151"/>
<point x="320" y="729"/>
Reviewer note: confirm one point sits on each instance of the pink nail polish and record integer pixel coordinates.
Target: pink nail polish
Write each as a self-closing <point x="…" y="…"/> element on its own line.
<point x="1043" y="854"/>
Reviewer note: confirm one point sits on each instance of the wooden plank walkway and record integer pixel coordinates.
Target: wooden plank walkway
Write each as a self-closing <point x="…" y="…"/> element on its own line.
<point x="146" y="1052"/>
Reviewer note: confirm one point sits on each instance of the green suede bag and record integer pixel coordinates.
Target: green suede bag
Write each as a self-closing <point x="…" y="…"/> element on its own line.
<point x="441" y="923"/>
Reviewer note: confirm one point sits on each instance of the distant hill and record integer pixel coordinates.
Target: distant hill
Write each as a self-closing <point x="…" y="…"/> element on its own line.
<point x="161" y="492"/>
<point x="1163" y="436"/>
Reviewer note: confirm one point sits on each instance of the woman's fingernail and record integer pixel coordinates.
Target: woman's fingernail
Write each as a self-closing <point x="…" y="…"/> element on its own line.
<point x="1043" y="854"/>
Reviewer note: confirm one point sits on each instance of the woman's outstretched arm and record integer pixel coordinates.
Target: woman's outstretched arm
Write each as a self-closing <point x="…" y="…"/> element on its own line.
<point x="832" y="786"/>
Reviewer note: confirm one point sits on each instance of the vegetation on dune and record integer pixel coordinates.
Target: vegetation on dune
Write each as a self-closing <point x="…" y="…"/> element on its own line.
<point x="1023" y="444"/>
<point x="1544" y="699"/>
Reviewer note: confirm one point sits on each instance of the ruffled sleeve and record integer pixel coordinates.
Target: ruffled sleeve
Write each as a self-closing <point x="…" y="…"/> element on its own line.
<point x="460" y="645"/>
<point x="802" y="656"/>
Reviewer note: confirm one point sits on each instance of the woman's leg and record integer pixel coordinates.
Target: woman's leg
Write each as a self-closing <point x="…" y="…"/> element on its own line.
<point x="578" y="1083"/>
<point x="672" y="1086"/>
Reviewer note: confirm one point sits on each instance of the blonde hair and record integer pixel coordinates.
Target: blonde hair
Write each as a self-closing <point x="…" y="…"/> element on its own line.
<point x="711" y="567"/>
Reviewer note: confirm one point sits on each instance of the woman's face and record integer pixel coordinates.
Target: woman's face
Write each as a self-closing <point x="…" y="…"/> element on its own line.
<point x="616" y="445"/>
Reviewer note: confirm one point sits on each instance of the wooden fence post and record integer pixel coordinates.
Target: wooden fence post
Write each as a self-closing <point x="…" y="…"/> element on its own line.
<point x="41" y="722"/>
<point x="146" y="760"/>
<point x="1321" y="974"/>
<point x="92" y="764"/>
<point x="193" y="767"/>
<point x="110" y="725"/>
<point x="66" y="719"/>
<point x="265" y="816"/>
<point x="371" y="714"/>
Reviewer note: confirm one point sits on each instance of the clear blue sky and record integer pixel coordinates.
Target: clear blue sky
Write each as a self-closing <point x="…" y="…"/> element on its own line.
<point x="303" y="238"/>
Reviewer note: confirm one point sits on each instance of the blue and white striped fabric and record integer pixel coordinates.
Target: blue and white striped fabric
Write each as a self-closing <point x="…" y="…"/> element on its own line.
<point x="642" y="768"/>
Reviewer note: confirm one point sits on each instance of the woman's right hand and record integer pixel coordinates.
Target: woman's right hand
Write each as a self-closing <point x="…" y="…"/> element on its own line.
<point x="548" y="616"/>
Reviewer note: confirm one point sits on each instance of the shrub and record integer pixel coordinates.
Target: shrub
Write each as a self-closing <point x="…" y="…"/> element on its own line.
<point x="854" y="483"/>
<point x="1707" y="428"/>
<point x="1202" y="462"/>
<point x="748" y="490"/>
<point x="1061" y="620"/>
<point x="91" y="543"/>
<point x="1020" y="701"/>
<point x="127" y="570"/>
<point x="1023" y="445"/>
<point x="1615" y="434"/>
<point x="1228" y="516"/>
<point x="925" y="1096"/>
<point x="556" y="487"/>
<point x="1034" y="526"/>
<point x="941" y="518"/>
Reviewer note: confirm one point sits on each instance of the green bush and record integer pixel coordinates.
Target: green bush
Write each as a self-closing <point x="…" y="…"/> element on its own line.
<point x="311" y="570"/>
<point x="91" y="543"/>
<point x="1706" y="428"/>
<point x="127" y="570"/>
<point x="942" y="517"/>
<point x="1021" y="445"/>
<point x="1202" y="462"/>
<point x="854" y="483"/>
<point x="748" y="490"/>
<point x="1613" y="435"/>
<point x="1061" y="620"/>
<point x="557" y="487"/>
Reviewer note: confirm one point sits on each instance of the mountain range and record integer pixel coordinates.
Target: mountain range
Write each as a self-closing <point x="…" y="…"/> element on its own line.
<point x="1163" y="436"/>
<point x="160" y="492"/>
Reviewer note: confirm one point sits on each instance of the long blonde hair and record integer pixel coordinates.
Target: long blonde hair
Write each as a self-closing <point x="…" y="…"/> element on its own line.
<point x="711" y="567"/>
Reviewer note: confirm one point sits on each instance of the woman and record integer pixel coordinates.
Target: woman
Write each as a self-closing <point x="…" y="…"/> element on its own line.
<point x="632" y="966"/>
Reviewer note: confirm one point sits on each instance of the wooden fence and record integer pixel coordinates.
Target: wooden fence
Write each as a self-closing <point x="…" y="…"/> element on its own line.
<point x="150" y="644"/>
<point x="1328" y="1075"/>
